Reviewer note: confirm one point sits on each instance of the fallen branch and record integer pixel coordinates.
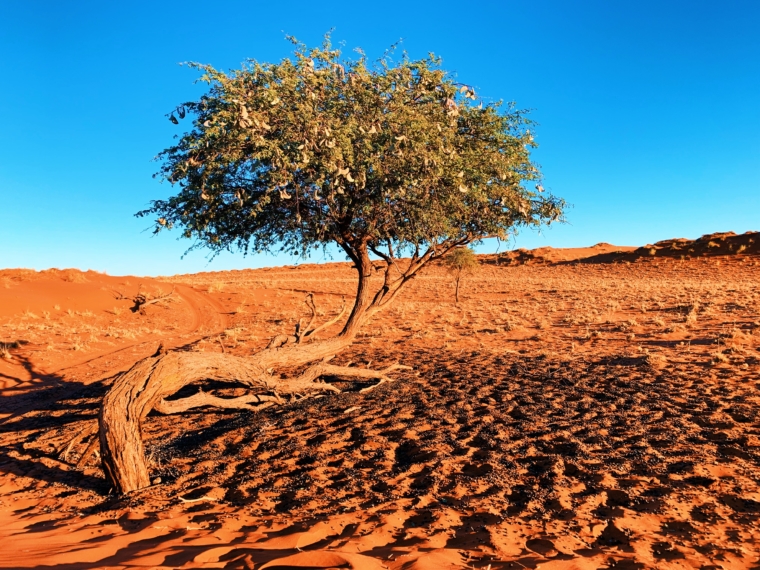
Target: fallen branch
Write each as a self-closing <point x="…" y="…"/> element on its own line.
<point x="141" y="300"/>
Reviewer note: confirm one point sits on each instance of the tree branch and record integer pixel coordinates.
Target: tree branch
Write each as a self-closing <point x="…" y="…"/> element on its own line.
<point x="390" y="289"/>
<point x="205" y="399"/>
<point x="323" y="326"/>
<point x="141" y="300"/>
<point x="301" y="333"/>
<point x="306" y="380"/>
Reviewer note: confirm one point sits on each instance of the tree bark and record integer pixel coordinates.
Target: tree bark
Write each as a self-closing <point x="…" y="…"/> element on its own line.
<point x="364" y="268"/>
<point x="148" y="384"/>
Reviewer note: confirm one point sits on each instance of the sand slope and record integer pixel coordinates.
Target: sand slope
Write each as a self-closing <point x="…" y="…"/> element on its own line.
<point x="709" y="245"/>
<point x="562" y="416"/>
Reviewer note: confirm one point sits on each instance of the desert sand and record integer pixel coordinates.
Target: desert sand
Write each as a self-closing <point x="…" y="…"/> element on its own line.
<point x="577" y="409"/>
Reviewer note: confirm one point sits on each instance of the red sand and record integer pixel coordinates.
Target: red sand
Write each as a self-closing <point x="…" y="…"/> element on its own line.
<point x="576" y="412"/>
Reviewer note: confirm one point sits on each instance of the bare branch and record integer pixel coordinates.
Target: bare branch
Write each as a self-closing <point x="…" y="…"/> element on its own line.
<point x="330" y="322"/>
<point x="307" y="378"/>
<point x="389" y="259"/>
<point x="205" y="399"/>
<point x="141" y="300"/>
<point x="302" y="332"/>
<point x="391" y="288"/>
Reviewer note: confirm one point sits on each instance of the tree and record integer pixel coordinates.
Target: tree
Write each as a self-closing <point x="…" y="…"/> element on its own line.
<point x="459" y="262"/>
<point x="389" y="159"/>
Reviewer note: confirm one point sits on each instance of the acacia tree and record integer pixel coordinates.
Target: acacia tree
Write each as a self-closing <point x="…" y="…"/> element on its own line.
<point x="391" y="160"/>
<point x="460" y="262"/>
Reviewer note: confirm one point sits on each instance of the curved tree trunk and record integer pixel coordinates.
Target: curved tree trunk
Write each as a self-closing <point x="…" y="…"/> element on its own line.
<point x="363" y="300"/>
<point x="145" y="387"/>
<point x="136" y="392"/>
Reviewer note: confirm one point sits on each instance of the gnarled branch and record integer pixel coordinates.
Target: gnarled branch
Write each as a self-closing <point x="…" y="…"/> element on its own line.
<point x="202" y="398"/>
<point x="310" y="333"/>
<point x="141" y="300"/>
<point x="146" y="386"/>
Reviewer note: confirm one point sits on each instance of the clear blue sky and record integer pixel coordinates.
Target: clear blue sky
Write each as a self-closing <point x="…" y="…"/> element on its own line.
<point x="649" y="111"/>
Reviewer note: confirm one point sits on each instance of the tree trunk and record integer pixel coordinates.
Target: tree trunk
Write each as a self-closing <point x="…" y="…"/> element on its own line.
<point x="363" y="300"/>
<point x="143" y="388"/>
<point x="136" y="392"/>
<point x="150" y="381"/>
<point x="456" y="291"/>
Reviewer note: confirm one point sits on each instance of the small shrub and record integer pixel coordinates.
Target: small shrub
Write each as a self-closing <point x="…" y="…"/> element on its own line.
<point x="460" y="262"/>
<point x="5" y="350"/>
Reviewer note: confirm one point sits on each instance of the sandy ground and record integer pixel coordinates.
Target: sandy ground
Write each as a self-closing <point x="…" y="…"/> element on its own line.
<point x="577" y="409"/>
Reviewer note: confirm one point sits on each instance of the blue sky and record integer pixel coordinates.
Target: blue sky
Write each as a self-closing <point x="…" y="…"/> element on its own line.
<point x="648" y="111"/>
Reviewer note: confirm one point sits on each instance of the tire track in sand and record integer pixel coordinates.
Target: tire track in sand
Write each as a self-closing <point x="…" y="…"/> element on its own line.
<point x="206" y="311"/>
<point x="208" y="320"/>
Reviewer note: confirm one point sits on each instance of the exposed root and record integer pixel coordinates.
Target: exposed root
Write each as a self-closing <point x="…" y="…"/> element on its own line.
<point x="87" y="452"/>
<point x="74" y="441"/>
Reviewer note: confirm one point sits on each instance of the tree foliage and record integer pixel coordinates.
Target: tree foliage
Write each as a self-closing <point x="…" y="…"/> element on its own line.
<point x="461" y="260"/>
<point x="318" y="149"/>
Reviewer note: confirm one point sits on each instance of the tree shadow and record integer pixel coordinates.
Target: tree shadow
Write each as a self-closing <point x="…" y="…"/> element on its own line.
<point x="11" y="464"/>
<point x="40" y="412"/>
